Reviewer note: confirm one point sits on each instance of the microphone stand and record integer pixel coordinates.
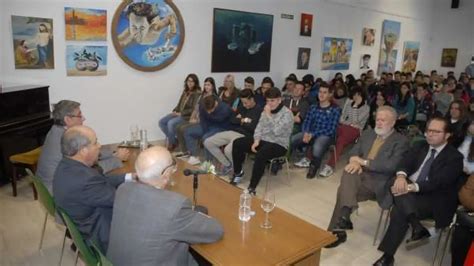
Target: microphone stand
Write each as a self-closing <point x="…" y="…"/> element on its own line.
<point x="196" y="207"/>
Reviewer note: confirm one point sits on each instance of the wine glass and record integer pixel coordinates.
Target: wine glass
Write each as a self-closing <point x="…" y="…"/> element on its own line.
<point x="267" y="204"/>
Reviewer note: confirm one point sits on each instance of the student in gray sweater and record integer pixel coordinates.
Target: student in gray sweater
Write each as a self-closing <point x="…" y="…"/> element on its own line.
<point x="270" y="140"/>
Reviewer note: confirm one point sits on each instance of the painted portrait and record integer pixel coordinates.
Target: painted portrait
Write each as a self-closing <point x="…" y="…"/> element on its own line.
<point x="365" y="61"/>
<point x="33" y="42"/>
<point x="241" y="41"/>
<point x="303" y="58"/>
<point x="336" y="53"/>
<point x="148" y="35"/>
<point x="389" y="46"/>
<point x="449" y="57"/>
<point x="368" y="37"/>
<point x="411" y="51"/>
<point x="86" y="60"/>
<point x="306" y="24"/>
<point x="84" y="24"/>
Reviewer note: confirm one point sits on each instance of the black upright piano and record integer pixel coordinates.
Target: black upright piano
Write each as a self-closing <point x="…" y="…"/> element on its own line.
<point x="25" y="119"/>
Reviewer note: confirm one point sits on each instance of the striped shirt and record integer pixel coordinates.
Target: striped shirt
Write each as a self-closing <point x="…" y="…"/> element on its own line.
<point x="355" y="117"/>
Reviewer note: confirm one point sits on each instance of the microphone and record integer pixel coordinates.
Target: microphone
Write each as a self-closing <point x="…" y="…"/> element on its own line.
<point x="188" y="172"/>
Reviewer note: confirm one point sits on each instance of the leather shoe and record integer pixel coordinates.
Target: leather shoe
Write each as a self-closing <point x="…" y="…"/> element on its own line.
<point x="344" y="224"/>
<point x="341" y="238"/>
<point x="418" y="238"/>
<point x="385" y="260"/>
<point x="312" y="171"/>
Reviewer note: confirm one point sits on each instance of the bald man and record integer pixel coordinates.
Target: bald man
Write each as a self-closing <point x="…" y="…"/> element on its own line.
<point x="84" y="193"/>
<point x="154" y="226"/>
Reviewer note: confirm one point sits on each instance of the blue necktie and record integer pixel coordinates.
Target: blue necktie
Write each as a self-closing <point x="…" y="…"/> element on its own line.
<point x="425" y="170"/>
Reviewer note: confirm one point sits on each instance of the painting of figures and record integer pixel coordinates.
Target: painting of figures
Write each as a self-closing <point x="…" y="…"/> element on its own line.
<point x="85" y="24"/>
<point x="411" y="51"/>
<point x="33" y="42"/>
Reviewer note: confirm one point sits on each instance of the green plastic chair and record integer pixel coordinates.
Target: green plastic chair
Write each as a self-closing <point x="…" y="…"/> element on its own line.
<point x="88" y="255"/>
<point x="103" y="260"/>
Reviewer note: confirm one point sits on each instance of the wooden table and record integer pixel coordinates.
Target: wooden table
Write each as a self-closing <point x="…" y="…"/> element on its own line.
<point x="291" y="241"/>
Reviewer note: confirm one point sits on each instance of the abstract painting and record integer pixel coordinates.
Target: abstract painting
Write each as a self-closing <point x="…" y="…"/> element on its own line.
<point x="148" y="35"/>
<point x="241" y="41"/>
<point x="306" y="24"/>
<point x="389" y="46"/>
<point x="33" y="42"/>
<point x="303" y="58"/>
<point x="368" y="37"/>
<point x="411" y="51"/>
<point x="449" y="57"/>
<point x="336" y="53"/>
<point x="84" y="24"/>
<point x="86" y="60"/>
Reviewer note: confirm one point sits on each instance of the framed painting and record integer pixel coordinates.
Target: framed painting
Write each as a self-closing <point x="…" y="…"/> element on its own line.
<point x="303" y="58"/>
<point x="411" y="51"/>
<point x="83" y="24"/>
<point x="306" y="24"/>
<point x="86" y="60"/>
<point x="389" y="46"/>
<point x="449" y="57"/>
<point x="241" y="41"/>
<point x="336" y="53"/>
<point x="365" y="61"/>
<point x="148" y="35"/>
<point x="33" y="45"/>
<point x="368" y="37"/>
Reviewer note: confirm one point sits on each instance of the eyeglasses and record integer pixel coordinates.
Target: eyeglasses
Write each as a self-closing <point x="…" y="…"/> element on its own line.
<point x="173" y="167"/>
<point x="432" y="131"/>
<point x="78" y="116"/>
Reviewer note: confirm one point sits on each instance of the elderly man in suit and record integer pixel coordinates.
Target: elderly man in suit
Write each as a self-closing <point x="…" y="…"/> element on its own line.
<point x="84" y="193"/>
<point x="67" y="114"/>
<point x="152" y="225"/>
<point x="373" y="161"/>
<point x="425" y="186"/>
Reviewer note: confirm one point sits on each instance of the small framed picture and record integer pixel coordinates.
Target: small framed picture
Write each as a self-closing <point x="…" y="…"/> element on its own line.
<point x="306" y="24"/>
<point x="303" y="58"/>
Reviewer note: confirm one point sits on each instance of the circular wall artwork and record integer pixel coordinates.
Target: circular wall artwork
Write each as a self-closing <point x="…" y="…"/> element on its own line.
<point x="148" y="35"/>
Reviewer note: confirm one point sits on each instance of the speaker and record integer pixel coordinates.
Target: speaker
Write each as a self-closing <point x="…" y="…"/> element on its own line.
<point x="455" y="3"/>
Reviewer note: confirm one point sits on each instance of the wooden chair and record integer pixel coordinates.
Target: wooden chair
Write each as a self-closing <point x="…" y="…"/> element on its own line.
<point x="26" y="160"/>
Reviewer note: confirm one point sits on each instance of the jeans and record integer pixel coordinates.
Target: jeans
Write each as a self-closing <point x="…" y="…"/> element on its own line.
<point x="168" y="125"/>
<point x="319" y="145"/>
<point x="192" y="134"/>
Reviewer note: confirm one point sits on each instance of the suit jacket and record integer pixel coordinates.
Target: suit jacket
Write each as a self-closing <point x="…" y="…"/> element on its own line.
<point x="152" y="226"/>
<point x="51" y="156"/>
<point x="384" y="166"/>
<point x="87" y="196"/>
<point x="443" y="176"/>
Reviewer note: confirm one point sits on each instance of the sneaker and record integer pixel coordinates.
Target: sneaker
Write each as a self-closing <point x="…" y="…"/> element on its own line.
<point x="194" y="160"/>
<point x="303" y="163"/>
<point x="237" y="178"/>
<point x="226" y="170"/>
<point x="327" y="171"/>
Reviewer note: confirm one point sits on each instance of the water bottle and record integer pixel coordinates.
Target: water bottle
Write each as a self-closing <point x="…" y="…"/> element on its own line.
<point x="245" y="206"/>
<point x="143" y="139"/>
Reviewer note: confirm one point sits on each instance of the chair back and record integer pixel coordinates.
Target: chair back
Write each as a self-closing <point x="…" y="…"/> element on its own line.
<point x="45" y="198"/>
<point x="88" y="256"/>
<point x="103" y="260"/>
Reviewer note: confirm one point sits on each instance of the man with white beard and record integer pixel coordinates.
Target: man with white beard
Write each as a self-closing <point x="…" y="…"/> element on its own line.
<point x="372" y="162"/>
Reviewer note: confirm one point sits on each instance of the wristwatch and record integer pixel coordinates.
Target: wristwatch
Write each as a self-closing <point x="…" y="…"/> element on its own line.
<point x="366" y="162"/>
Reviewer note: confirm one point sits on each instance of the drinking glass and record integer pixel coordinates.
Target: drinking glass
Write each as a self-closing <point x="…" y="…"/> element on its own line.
<point x="134" y="134"/>
<point x="268" y="204"/>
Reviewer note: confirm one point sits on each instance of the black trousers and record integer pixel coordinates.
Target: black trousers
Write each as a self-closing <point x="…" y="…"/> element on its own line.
<point x="404" y="205"/>
<point x="265" y="152"/>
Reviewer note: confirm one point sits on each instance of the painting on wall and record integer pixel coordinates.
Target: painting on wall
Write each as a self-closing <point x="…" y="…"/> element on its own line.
<point x="368" y="37"/>
<point x="365" y="61"/>
<point x="241" y="41"/>
<point x="147" y="35"/>
<point x="336" y="53"/>
<point x="411" y="51"/>
<point x="33" y="42"/>
<point x="306" y="24"/>
<point x="449" y="56"/>
<point x="389" y="46"/>
<point x="83" y="24"/>
<point x="303" y="58"/>
<point x="86" y="60"/>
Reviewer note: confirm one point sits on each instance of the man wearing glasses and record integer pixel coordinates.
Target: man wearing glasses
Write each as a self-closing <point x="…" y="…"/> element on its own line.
<point x="67" y="114"/>
<point x="425" y="186"/>
<point x="152" y="225"/>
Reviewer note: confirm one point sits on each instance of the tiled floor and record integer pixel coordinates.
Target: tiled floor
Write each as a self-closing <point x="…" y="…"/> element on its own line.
<point x="312" y="200"/>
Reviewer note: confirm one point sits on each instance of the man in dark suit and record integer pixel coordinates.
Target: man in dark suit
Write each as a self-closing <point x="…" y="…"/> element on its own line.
<point x="372" y="163"/>
<point x="154" y="226"/>
<point x="85" y="194"/>
<point x="424" y="187"/>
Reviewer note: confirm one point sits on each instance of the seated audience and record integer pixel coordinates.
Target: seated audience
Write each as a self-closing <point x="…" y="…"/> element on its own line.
<point x="372" y="162"/>
<point x="461" y="94"/>
<point x="182" y="112"/>
<point x="155" y="226"/>
<point x="67" y="114"/>
<point x="424" y="187"/>
<point x="249" y="83"/>
<point x="340" y="93"/>
<point x="424" y="109"/>
<point x="244" y="122"/>
<point x="228" y="93"/>
<point x="319" y="130"/>
<point x="267" y="83"/>
<point x="290" y="82"/>
<point x="270" y="140"/>
<point x="298" y="105"/>
<point x="404" y="104"/>
<point x="353" y="119"/>
<point x="442" y="99"/>
<point x="84" y="193"/>
<point x="458" y="122"/>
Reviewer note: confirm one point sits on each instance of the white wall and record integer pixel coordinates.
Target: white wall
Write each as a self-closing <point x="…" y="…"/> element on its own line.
<point x="126" y="96"/>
